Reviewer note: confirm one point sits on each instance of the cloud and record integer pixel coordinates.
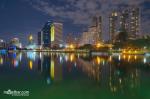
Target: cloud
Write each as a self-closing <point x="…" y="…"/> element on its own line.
<point x="81" y="11"/>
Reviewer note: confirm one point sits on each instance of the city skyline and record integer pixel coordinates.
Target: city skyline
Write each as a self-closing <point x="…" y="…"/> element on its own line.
<point x="29" y="16"/>
<point x="75" y="49"/>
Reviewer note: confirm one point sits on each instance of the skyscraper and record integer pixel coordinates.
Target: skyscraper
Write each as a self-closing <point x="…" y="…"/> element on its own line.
<point x="134" y="22"/>
<point x="51" y="35"/>
<point x="97" y="23"/>
<point x="46" y="31"/>
<point x="124" y="20"/>
<point x="56" y="34"/>
<point x="113" y="25"/>
<point x="129" y="20"/>
<point x="94" y="34"/>
<point x="99" y="27"/>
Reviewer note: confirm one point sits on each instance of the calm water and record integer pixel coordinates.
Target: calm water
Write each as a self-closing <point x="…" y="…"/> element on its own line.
<point x="75" y="76"/>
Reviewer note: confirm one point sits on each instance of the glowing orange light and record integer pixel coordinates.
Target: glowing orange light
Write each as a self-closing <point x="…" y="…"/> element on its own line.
<point x="124" y="56"/>
<point x="124" y="51"/>
<point x="98" y="60"/>
<point x="30" y="64"/>
<point x="129" y="51"/>
<point x="98" y="45"/>
<point x="110" y="58"/>
<point x="135" y="57"/>
<point x="71" y="46"/>
<point x="72" y="57"/>
<point x="129" y="57"/>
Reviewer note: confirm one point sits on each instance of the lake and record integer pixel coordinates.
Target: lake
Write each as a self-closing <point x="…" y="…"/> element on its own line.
<point x="74" y="75"/>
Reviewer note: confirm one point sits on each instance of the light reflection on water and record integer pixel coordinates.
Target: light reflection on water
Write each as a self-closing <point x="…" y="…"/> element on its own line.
<point x="117" y="73"/>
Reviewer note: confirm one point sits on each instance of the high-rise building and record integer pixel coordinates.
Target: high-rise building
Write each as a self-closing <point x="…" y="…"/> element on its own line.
<point x="94" y="34"/>
<point x="134" y="22"/>
<point x="99" y="27"/>
<point x="56" y="34"/>
<point x="129" y="20"/>
<point x="85" y="38"/>
<point x="113" y="26"/>
<point x="97" y="24"/>
<point x="51" y="35"/>
<point x="46" y="31"/>
<point x="124" y="21"/>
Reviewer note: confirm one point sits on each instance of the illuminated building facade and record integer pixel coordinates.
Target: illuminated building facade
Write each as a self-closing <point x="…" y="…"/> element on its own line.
<point x="56" y="34"/>
<point x="97" y="28"/>
<point x="134" y="22"/>
<point x="84" y="38"/>
<point x="88" y="37"/>
<point x="113" y="25"/>
<point x="94" y="34"/>
<point x="51" y="35"/>
<point x="124" y="21"/>
<point x="15" y="43"/>
<point x="31" y="44"/>
<point x="129" y="22"/>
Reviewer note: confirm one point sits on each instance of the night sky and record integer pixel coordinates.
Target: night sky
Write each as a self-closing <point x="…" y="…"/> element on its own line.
<point x="19" y="18"/>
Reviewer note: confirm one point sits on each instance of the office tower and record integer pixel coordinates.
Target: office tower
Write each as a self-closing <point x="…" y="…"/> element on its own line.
<point x="51" y="35"/>
<point x="124" y="21"/>
<point x="97" y="24"/>
<point x="93" y="35"/>
<point x="56" y="34"/>
<point x="46" y="31"/>
<point x="134" y="22"/>
<point x="113" y="26"/>
<point x="129" y="20"/>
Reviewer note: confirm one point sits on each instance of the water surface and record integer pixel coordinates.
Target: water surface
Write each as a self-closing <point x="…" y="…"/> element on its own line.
<point x="75" y="76"/>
